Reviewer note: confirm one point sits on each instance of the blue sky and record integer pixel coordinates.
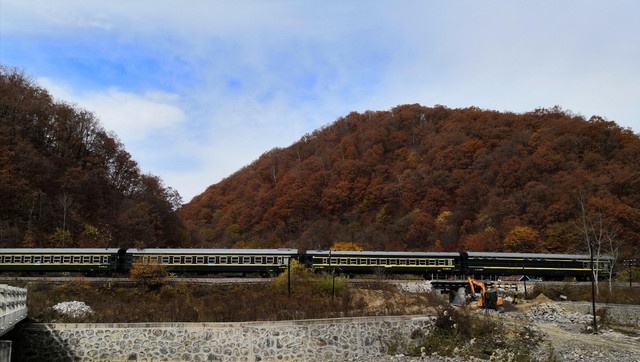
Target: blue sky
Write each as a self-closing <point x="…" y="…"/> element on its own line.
<point x="198" y="89"/>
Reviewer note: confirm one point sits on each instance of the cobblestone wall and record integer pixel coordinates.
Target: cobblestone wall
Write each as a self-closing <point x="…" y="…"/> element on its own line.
<point x="312" y="340"/>
<point x="617" y="313"/>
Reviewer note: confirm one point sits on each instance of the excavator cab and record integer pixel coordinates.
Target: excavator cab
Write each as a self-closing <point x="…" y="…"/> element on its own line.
<point x="489" y="299"/>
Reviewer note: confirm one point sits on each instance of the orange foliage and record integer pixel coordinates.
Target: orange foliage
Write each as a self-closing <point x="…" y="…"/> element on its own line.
<point x="424" y="178"/>
<point x="346" y="245"/>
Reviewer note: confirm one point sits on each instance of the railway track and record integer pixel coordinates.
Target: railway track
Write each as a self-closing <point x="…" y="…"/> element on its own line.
<point x="200" y="280"/>
<point x="222" y="281"/>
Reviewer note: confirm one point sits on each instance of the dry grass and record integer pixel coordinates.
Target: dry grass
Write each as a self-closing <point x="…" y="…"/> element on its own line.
<point x="311" y="297"/>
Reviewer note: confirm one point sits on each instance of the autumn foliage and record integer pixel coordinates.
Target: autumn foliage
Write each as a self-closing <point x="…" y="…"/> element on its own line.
<point x="67" y="182"/>
<point x="410" y="178"/>
<point x="430" y="178"/>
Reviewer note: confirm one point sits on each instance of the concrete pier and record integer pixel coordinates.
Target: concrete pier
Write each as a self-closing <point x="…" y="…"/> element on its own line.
<point x="13" y="307"/>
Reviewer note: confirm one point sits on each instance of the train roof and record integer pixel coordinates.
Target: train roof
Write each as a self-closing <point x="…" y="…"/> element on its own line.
<point x="214" y="251"/>
<point x="476" y="254"/>
<point x="365" y="253"/>
<point x="58" y="250"/>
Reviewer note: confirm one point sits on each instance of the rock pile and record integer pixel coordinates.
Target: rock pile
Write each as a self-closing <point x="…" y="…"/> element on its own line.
<point x="414" y="286"/>
<point x="555" y="313"/>
<point x="73" y="309"/>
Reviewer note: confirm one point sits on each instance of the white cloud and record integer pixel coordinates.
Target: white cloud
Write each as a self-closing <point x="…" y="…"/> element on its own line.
<point x="197" y="90"/>
<point x="131" y="116"/>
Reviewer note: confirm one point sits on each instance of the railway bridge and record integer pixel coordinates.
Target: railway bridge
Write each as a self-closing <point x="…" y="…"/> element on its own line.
<point x="13" y="309"/>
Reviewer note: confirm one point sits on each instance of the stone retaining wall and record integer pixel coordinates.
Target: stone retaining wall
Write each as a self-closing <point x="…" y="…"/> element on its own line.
<point x="308" y="340"/>
<point x="617" y="313"/>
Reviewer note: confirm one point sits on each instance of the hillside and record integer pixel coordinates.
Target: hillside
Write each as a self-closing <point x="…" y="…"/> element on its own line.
<point x="421" y="178"/>
<point x="66" y="182"/>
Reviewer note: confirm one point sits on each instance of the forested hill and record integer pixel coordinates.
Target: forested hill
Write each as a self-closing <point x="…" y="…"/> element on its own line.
<point x="420" y="178"/>
<point x="66" y="182"/>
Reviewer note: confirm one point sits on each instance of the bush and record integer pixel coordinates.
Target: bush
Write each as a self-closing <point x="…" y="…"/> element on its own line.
<point x="300" y="277"/>
<point x="463" y="332"/>
<point x="150" y="274"/>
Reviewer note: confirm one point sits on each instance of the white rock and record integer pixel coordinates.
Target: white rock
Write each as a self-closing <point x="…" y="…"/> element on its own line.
<point x="73" y="309"/>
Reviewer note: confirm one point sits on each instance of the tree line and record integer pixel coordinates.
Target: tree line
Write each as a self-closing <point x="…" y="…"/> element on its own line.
<point x="432" y="178"/>
<point x="67" y="182"/>
<point x="409" y="178"/>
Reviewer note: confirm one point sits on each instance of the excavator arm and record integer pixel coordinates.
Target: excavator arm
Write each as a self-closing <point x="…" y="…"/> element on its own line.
<point x="489" y="299"/>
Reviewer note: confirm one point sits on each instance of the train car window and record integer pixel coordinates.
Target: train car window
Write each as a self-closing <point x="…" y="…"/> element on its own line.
<point x="353" y="261"/>
<point x="334" y="261"/>
<point x="412" y="262"/>
<point x="441" y="262"/>
<point x="211" y="260"/>
<point x="96" y="259"/>
<point x="246" y="260"/>
<point x="199" y="259"/>
<point x="17" y="259"/>
<point x="165" y="260"/>
<point x="342" y="261"/>
<point x="373" y="261"/>
<point x="6" y="259"/>
<point x="188" y="259"/>
<point x="27" y="259"/>
<point x="235" y="260"/>
<point x="393" y="261"/>
<point x="384" y="262"/>
<point x="223" y="260"/>
<point x="66" y="259"/>
<point x="432" y="262"/>
<point x="145" y="259"/>
<point x="270" y="260"/>
<point x="86" y="259"/>
<point x="154" y="259"/>
<point x="176" y="259"/>
<point x="57" y="259"/>
<point x="279" y="260"/>
<point x="76" y="259"/>
<point x="257" y="260"/>
<point x="363" y="261"/>
<point x="423" y="262"/>
<point x="37" y="259"/>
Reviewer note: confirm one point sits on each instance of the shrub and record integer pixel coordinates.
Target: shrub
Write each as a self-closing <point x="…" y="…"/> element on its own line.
<point x="463" y="332"/>
<point x="150" y="274"/>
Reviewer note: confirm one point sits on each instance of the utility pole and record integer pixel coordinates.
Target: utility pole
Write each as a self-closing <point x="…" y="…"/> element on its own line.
<point x="289" y="276"/>
<point x="593" y="292"/>
<point x="631" y="263"/>
<point x="333" y="278"/>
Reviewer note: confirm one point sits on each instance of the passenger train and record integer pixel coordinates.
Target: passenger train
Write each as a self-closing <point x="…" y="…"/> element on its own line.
<point x="431" y="265"/>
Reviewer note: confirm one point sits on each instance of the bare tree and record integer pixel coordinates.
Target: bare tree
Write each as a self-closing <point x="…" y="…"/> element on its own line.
<point x="598" y="234"/>
<point x="614" y="252"/>
<point x="65" y="201"/>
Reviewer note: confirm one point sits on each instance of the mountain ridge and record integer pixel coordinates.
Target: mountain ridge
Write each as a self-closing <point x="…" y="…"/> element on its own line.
<point x="431" y="178"/>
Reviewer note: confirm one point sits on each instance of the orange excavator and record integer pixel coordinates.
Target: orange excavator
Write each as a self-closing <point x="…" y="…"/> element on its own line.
<point x="489" y="299"/>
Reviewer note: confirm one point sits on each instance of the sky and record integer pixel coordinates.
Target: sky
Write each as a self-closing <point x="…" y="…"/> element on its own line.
<point x="198" y="89"/>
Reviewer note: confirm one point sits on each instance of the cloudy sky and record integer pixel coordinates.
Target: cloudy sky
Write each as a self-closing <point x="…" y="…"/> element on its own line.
<point x="198" y="89"/>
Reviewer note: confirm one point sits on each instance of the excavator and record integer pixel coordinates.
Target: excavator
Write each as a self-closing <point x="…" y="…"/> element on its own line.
<point x="489" y="299"/>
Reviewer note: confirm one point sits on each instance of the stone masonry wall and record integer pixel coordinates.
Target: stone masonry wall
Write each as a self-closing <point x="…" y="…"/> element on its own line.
<point x="617" y="313"/>
<point x="308" y="340"/>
